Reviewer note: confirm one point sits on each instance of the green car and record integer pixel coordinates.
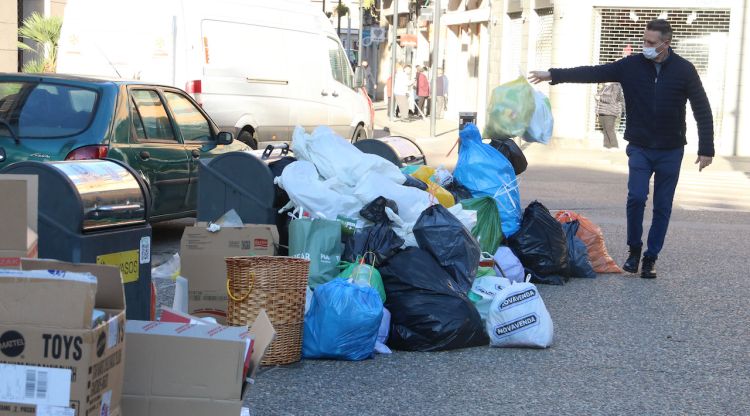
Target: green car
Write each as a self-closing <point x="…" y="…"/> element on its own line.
<point x="157" y="130"/>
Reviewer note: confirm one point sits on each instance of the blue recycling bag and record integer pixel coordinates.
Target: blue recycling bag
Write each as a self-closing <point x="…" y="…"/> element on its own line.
<point x="342" y="322"/>
<point x="486" y="172"/>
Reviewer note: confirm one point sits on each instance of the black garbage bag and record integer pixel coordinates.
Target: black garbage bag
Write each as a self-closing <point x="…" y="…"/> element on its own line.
<point x="550" y="279"/>
<point x="427" y="312"/>
<point x="578" y="255"/>
<point x="280" y="200"/>
<point x="512" y="152"/>
<point x="540" y="243"/>
<point x="375" y="210"/>
<point x="415" y="183"/>
<point x="458" y="191"/>
<point x="379" y="239"/>
<point x="441" y="234"/>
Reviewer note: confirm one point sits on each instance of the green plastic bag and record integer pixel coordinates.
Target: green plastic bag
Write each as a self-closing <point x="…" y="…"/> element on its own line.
<point x="320" y="242"/>
<point x="489" y="228"/>
<point x="363" y="272"/>
<point x="510" y="110"/>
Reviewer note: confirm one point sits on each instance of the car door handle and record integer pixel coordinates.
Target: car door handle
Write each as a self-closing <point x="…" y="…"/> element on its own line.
<point x="196" y="153"/>
<point x="335" y="94"/>
<point x="324" y="93"/>
<point x="145" y="155"/>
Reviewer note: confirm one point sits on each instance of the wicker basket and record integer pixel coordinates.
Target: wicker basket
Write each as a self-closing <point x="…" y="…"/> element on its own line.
<point x="278" y="285"/>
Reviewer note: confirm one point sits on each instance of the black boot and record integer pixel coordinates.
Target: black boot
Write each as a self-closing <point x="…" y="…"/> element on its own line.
<point x="633" y="261"/>
<point x="648" y="270"/>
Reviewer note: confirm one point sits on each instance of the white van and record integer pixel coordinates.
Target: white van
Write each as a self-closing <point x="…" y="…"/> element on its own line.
<point x="258" y="67"/>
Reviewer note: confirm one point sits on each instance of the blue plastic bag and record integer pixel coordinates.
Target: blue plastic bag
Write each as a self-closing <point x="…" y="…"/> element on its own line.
<point x="579" y="263"/>
<point x="486" y="172"/>
<point x="342" y="322"/>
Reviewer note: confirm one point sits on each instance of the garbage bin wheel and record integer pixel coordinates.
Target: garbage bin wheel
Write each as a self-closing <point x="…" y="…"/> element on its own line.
<point x="246" y="136"/>
<point x="359" y="134"/>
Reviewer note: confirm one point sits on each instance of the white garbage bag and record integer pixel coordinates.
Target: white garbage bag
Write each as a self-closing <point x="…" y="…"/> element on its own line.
<point x="306" y="190"/>
<point x="483" y="292"/>
<point x="410" y="201"/>
<point x="336" y="157"/>
<point x="402" y="229"/>
<point x="518" y="318"/>
<point x="508" y="265"/>
<point x="383" y="332"/>
<point x="540" y="127"/>
<point x="467" y="217"/>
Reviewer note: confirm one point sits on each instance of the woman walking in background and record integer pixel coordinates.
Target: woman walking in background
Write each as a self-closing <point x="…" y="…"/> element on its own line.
<point x="609" y="104"/>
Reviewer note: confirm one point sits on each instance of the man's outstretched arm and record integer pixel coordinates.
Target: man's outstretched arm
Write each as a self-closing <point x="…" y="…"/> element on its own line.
<point x="581" y="74"/>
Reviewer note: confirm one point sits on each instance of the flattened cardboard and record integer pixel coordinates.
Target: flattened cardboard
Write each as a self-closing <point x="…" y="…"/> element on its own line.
<point x="47" y="298"/>
<point x="18" y="219"/>
<point x="263" y="334"/>
<point x="202" y="258"/>
<point x="18" y="211"/>
<point x="183" y="360"/>
<point x="95" y="356"/>
<point x="178" y="406"/>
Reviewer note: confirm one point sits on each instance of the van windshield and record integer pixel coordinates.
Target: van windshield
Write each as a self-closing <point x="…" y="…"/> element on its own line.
<point x="45" y="110"/>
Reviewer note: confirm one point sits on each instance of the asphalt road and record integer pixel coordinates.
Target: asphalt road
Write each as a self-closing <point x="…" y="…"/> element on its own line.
<point x="679" y="344"/>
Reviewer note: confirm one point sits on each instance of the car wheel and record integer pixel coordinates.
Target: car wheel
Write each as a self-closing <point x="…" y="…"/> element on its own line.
<point x="246" y="136"/>
<point x="359" y="134"/>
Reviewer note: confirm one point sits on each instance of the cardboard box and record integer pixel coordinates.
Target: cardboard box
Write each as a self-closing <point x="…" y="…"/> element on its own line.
<point x="202" y="262"/>
<point x="18" y="218"/>
<point x="91" y="357"/>
<point x="189" y="369"/>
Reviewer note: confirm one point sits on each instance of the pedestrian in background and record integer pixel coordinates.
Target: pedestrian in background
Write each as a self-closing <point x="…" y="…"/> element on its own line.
<point x="401" y="87"/>
<point x="441" y="94"/>
<point x="608" y="107"/>
<point x="423" y="90"/>
<point x="657" y="84"/>
<point x="370" y="86"/>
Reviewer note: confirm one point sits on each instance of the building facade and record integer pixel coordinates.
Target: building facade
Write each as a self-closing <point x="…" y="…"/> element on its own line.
<point x="12" y="13"/>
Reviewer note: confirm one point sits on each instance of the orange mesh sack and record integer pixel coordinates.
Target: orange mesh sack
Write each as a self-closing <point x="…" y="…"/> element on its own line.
<point x="593" y="237"/>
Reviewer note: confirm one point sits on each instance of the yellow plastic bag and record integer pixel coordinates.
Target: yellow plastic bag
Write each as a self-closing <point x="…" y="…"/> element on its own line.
<point x="445" y="198"/>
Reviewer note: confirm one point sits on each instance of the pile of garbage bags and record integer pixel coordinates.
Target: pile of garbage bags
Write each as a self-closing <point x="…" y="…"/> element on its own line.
<point x="421" y="258"/>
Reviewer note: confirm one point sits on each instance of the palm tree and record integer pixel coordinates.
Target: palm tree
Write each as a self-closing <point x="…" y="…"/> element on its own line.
<point x="45" y="33"/>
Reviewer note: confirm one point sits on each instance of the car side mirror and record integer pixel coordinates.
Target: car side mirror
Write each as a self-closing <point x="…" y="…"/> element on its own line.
<point x="225" y="137"/>
<point x="359" y="78"/>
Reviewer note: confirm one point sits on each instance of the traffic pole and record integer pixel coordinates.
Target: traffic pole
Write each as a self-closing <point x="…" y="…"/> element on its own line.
<point x="435" y="56"/>
<point x="394" y="56"/>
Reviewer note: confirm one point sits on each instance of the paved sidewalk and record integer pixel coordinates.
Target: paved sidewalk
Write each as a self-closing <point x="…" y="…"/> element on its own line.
<point x="623" y="345"/>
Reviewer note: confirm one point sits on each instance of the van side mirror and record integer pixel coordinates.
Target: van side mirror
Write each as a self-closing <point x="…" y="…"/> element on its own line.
<point x="225" y="138"/>
<point x="359" y="78"/>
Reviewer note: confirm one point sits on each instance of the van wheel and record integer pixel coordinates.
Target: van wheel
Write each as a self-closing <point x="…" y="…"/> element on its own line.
<point x="246" y="136"/>
<point x="359" y="134"/>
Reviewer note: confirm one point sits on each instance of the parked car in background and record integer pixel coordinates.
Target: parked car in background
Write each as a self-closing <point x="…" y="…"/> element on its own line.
<point x="159" y="131"/>
<point x="258" y="67"/>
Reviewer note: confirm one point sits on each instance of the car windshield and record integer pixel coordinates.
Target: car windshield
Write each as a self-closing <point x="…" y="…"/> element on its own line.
<point x="45" y="110"/>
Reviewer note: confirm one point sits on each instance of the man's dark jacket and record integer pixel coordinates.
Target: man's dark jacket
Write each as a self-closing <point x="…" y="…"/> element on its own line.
<point x="654" y="104"/>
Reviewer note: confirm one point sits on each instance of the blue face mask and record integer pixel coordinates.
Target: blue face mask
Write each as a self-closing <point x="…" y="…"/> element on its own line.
<point x="650" y="52"/>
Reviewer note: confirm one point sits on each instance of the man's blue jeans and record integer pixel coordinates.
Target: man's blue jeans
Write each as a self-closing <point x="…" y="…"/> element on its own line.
<point x="664" y="165"/>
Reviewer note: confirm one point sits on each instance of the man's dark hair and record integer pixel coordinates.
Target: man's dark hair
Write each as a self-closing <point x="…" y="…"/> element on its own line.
<point x="661" y="26"/>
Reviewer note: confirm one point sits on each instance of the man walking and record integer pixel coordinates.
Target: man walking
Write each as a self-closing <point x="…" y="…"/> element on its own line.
<point x="423" y="90"/>
<point x="657" y="84"/>
<point x="401" y="87"/>
<point x="441" y="94"/>
<point x="608" y="108"/>
<point x="370" y="86"/>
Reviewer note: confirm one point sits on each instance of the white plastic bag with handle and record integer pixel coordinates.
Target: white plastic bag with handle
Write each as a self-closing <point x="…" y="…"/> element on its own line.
<point x="301" y="182"/>
<point x="483" y="292"/>
<point x="336" y="157"/>
<point x="518" y="318"/>
<point x="540" y="127"/>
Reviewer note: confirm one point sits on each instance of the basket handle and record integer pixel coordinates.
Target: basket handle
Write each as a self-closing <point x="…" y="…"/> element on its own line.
<point x="240" y="299"/>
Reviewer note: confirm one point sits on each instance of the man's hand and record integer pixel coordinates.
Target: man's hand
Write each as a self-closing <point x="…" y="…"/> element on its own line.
<point x="538" y="76"/>
<point x="703" y="162"/>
